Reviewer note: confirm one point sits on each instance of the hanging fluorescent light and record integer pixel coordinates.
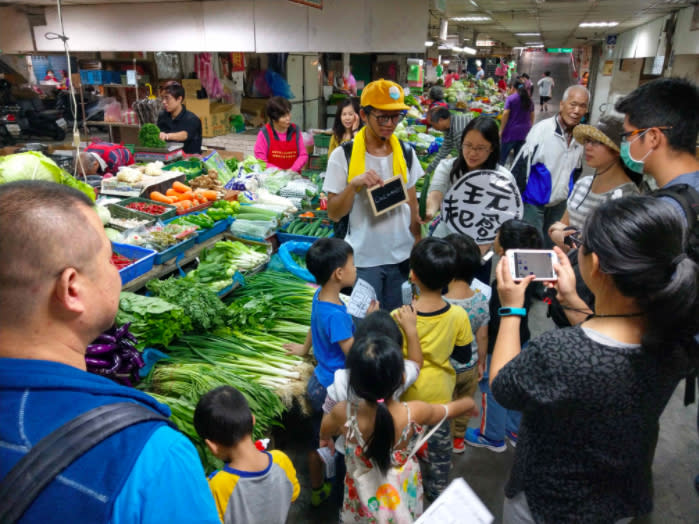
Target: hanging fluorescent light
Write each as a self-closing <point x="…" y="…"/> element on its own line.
<point x="469" y="50"/>
<point x="530" y="44"/>
<point x="527" y="34"/>
<point x="598" y="24"/>
<point x="470" y="18"/>
<point x="537" y="45"/>
<point x="474" y="4"/>
<point x="443" y="29"/>
<point x="429" y="43"/>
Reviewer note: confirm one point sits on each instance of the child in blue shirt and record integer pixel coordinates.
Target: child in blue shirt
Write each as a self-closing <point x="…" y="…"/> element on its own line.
<point x="331" y="262"/>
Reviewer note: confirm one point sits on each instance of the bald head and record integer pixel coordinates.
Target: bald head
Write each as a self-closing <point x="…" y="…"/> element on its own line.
<point x="43" y="230"/>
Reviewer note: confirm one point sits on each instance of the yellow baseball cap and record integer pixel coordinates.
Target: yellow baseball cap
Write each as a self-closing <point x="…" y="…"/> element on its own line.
<point x="384" y="95"/>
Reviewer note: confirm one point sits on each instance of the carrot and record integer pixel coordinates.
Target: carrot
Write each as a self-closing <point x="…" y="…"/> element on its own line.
<point x="185" y="196"/>
<point x="185" y="204"/>
<point x="171" y="193"/>
<point x="159" y="197"/>
<point x="209" y="194"/>
<point x="180" y="187"/>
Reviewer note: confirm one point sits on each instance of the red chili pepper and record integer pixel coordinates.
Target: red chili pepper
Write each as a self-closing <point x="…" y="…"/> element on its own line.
<point x="120" y="261"/>
<point x="151" y="209"/>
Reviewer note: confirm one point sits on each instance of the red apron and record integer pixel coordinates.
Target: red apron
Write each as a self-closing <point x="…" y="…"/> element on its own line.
<point x="282" y="154"/>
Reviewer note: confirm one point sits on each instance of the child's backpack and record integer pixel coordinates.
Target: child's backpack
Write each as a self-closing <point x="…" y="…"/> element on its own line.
<point x="341" y="227"/>
<point x="115" y="155"/>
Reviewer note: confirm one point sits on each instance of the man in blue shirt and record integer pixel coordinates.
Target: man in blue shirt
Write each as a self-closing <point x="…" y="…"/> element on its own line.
<point x="58" y="291"/>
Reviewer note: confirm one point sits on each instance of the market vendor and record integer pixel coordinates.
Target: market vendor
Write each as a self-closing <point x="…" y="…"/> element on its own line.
<point x="91" y="164"/>
<point x="176" y="123"/>
<point x="452" y="124"/>
<point x="280" y="143"/>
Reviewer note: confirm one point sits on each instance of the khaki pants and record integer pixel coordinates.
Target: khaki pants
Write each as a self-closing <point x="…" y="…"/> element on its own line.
<point x="466" y="385"/>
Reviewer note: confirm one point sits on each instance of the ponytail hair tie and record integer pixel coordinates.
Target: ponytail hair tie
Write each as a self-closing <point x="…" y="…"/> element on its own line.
<point x="379" y="401"/>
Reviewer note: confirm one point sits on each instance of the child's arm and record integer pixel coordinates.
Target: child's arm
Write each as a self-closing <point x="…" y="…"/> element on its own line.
<point x="333" y="422"/>
<point x="406" y="316"/>
<point x="300" y="349"/>
<point x="431" y="414"/>
<point x="346" y="345"/>
<point x="482" y="340"/>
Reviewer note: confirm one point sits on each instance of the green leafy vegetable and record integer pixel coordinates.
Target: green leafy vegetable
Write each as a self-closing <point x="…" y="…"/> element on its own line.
<point x="149" y="136"/>
<point x="153" y="320"/>
<point x="199" y="303"/>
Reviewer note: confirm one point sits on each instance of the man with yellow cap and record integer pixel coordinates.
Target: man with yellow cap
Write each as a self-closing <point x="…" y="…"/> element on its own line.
<point x="381" y="243"/>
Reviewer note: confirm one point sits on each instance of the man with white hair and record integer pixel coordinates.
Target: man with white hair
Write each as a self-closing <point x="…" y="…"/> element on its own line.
<point x="550" y="162"/>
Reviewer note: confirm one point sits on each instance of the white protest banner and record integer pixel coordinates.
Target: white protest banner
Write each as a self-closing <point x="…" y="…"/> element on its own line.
<point x="479" y="202"/>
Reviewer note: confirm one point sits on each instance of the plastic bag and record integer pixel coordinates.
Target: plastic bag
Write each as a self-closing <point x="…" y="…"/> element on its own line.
<point x="112" y="112"/>
<point x="298" y="248"/>
<point x="278" y="85"/>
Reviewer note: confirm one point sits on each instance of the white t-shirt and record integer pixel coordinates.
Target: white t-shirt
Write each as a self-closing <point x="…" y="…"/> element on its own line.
<point x="339" y="391"/>
<point x="545" y="84"/>
<point x="376" y="240"/>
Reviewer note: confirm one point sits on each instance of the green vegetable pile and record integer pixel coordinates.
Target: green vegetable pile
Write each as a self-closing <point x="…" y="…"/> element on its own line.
<point x="219" y="263"/>
<point x="32" y="165"/>
<point x="200" y="304"/>
<point x="149" y="136"/>
<point x="319" y="227"/>
<point x="153" y="320"/>
<point x="232" y="164"/>
<point x="223" y="209"/>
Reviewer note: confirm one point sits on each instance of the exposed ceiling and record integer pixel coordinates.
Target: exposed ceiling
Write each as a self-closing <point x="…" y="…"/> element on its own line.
<point x="556" y="20"/>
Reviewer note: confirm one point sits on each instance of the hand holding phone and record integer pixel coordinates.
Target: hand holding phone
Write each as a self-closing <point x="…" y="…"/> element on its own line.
<point x="537" y="262"/>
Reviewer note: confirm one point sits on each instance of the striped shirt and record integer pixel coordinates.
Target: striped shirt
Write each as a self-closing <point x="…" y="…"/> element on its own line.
<point x="452" y="139"/>
<point x="580" y="205"/>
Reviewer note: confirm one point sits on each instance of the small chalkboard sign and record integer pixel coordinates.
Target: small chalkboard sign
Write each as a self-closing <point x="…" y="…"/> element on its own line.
<point x="386" y="197"/>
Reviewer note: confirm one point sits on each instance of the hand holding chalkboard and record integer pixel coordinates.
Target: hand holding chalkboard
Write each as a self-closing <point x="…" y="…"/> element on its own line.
<point x="386" y="197"/>
<point x="369" y="179"/>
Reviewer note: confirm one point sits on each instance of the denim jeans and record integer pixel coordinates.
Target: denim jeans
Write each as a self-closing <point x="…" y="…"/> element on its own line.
<point x="541" y="217"/>
<point x="495" y="419"/>
<point x="505" y="149"/>
<point x="386" y="281"/>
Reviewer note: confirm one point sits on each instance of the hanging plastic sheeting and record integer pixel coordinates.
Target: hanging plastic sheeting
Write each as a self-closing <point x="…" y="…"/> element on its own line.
<point x="206" y="74"/>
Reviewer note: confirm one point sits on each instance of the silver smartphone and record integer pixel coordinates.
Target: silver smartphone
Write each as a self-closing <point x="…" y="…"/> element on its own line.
<point x="537" y="262"/>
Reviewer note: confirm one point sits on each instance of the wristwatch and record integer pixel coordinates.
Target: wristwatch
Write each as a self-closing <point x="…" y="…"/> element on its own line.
<point x="512" y="312"/>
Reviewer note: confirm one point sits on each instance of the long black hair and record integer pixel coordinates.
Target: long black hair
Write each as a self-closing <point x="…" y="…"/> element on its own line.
<point x="518" y="234"/>
<point x="523" y="93"/>
<point x="487" y="127"/>
<point x="375" y="364"/>
<point x="640" y="243"/>
<point x="338" y="127"/>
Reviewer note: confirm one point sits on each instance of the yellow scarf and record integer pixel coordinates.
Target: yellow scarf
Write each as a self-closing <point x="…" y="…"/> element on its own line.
<point x="357" y="160"/>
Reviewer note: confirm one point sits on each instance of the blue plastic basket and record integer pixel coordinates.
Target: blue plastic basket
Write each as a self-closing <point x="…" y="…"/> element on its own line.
<point x="145" y="260"/>
<point x="204" y="234"/>
<point x="175" y="250"/>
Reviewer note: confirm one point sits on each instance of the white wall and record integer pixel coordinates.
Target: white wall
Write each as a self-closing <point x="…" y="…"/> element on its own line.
<point x="686" y="41"/>
<point x="15" y="33"/>
<point x="241" y="25"/>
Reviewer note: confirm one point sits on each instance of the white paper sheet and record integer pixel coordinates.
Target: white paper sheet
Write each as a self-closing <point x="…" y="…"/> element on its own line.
<point x="360" y="300"/>
<point x="458" y="504"/>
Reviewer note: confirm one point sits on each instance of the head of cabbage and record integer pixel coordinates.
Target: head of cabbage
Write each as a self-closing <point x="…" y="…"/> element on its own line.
<point x="33" y="165"/>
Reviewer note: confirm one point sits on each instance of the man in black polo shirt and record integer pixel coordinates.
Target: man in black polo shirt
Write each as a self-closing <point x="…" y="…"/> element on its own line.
<point x="176" y="123"/>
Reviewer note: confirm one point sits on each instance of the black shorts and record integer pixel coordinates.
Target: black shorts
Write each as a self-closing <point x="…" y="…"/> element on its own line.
<point x="543" y="99"/>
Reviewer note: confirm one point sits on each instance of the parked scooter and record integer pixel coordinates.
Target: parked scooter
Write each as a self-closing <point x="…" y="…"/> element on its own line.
<point x="24" y="120"/>
<point x="94" y="111"/>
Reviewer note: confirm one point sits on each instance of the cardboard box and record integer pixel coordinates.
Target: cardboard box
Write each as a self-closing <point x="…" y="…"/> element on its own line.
<point x="255" y="108"/>
<point x="200" y="107"/>
<point x="191" y="86"/>
<point x="217" y="121"/>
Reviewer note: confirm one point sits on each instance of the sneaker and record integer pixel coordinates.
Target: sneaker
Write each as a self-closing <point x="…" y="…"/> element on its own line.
<point x="320" y="495"/>
<point x="512" y="438"/>
<point x="458" y="446"/>
<point x="475" y="439"/>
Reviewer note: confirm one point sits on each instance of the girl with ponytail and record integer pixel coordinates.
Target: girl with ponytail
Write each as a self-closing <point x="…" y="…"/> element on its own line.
<point x="383" y="434"/>
<point x="592" y="394"/>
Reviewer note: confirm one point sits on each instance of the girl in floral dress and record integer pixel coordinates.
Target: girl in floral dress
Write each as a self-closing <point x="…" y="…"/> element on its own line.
<point x="383" y="482"/>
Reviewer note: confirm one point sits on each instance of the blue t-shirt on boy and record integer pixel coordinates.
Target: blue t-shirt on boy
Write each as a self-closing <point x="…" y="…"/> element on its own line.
<point x="330" y="323"/>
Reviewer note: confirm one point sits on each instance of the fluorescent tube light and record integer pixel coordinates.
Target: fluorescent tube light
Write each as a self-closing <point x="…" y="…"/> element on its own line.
<point x="598" y="24"/>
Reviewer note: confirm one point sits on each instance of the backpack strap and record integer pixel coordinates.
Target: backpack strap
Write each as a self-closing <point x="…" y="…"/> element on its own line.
<point x="431" y="432"/>
<point x="686" y="196"/>
<point x="58" y="450"/>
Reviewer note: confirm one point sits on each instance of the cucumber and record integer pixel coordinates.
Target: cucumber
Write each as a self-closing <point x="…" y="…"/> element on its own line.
<point x="423" y="195"/>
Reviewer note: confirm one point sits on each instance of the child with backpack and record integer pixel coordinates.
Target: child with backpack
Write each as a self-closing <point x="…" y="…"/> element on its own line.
<point x="444" y="331"/>
<point x="383" y="483"/>
<point x="475" y="302"/>
<point x="496" y="421"/>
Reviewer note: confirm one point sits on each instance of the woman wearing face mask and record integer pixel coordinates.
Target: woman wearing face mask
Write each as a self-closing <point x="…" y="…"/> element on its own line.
<point x="347" y="123"/>
<point x="612" y="179"/>
<point x="480" y="149"/>
<point x="591" y="395"/>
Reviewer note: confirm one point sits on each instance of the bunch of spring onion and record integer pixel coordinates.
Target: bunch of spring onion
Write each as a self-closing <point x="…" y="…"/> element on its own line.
<point x="219" y="263"/>
<point x="114" y="355"/>
<point x="255" y="356"/>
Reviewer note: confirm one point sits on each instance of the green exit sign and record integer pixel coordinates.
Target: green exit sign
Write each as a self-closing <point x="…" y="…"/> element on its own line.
<point x="559" y="50"/>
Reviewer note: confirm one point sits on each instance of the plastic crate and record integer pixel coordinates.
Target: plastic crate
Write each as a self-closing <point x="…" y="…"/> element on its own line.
<point x="318" y="163"/>
<point x="187" y="164"/>
<point x="220" y="226"/>
<point x="122" y="212"/>
<point x="321" y="140"/>
<point x="145" y="260"/>
<point x="171" y="210"/>
<point x="175" y="250"/>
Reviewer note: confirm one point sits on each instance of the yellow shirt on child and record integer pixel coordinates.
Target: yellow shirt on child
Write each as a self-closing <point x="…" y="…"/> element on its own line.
<point x="439" y="332"/>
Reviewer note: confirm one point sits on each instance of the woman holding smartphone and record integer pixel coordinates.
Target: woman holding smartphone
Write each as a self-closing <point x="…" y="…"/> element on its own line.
<point x="591" y="395"/>
<point x="612" y="179"/>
